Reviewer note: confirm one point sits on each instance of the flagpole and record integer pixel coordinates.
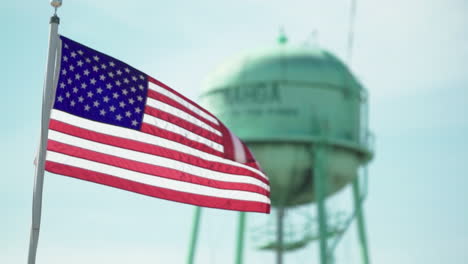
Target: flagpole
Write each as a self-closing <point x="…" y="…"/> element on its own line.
<point x="47" y="99"/>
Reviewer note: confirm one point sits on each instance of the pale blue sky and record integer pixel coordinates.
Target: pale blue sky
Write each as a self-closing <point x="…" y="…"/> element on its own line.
<point x="412" y="56"/>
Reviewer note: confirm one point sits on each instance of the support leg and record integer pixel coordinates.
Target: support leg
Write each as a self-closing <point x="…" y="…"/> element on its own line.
<point x="320" y="184"/>
<point x="194" y="238"/>
<point x="360" y="221"/>
<point x="240" y="238"/>
<point x="279" y="235"/>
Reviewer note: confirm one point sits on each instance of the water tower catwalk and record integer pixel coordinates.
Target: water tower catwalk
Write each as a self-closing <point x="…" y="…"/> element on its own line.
<point x="304" y="116"/>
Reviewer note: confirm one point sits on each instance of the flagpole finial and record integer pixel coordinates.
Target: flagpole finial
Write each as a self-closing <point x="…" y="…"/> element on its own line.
<point x="56" y="4"/>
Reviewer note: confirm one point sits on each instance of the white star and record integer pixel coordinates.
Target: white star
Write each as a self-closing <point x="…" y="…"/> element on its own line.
<point x="72" y="103"/>
<point x="64" y="71"/>
<point x="134" y="122"/>
<point x="62" y="85"/>
<point x="67" y="95"/>
<point x="71" y="68"/>
<point x="96" y="58"/>
<point x="86" y="107"/>
<point x="106" y="99"/>
<point x="77" y="76"/>
<point x="99" y="90"/>
<point x="137" y="110"/>
<point x="141" y="87"/>
<point x="66" y="46"/>
<point x="96" y="103"/>
<point x="134" y="78"/>
<point x="122" y="104"/>
<point x="141" y="77"/>
<point x="133" y="89"/>
<point x="79" y="63"/>
<point x="112" y="64"/>
<point x="116" y="95"/>
<point x="131" y="101"/>
<point x="90" y="94"/>
<point x="124" y="91"/>
<point x="111" y="74"/>
<point x="80" y="52"/>
<point x="84" y="85"/>
<point x="69" y="81"/>
<point x="80" y="99"/>
<point x="118" y="117"/>
<point x="92" y="81"/>
<point x="95" y="68"/>
<point x="109" y="86"/>
<point x="102" y="112"/>
<point x="126" y="80"/>
<point x="128" y="114"/>
<point x="73" y="54"/>
<point x="112" y="108"/>
<point x="103" y="66"/>
<point x="75" y="90"/>
<point x="140" y="98"/>
<point x="60" y="98"/>
<point x="86" y="72"/>
<point x="88" y="60"/>
<point x="119" y="72"/>
<point x="118" y="83"/>
<point x="127" y="70"/>
<point x="65" y="58"/>
<point x="102" y="77"/>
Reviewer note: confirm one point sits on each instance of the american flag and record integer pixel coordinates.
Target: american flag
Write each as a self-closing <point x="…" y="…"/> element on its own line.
<point x="114" y="125"/>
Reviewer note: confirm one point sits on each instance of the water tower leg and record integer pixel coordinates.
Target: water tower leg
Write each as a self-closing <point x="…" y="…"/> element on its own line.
<point x="279" y="234"/>
<point x="194" y="237"/>
<point x="360" y="221"/>
<point x="240" y="238"/>
<point x="320" y="184"/>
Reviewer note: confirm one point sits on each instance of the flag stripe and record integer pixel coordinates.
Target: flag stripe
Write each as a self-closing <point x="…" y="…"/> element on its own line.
<point x="151" y="149"/>
<point x="181" y="114"/>
<point x="167" y="91"/>
<point x="161" y="97"/>
<point x="152" y="169"/>
<point x="154" y="191"/>
<point x="152" y="130"/>
<point x="162" y="124"/>
<point x="146" y="138"/>
<point x="184" y="124"/>
<point x="152" y="159"/>
<point x="154" y="181"/>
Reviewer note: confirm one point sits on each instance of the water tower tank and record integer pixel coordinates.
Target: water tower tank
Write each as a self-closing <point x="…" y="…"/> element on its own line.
<point x="282" y="102"/>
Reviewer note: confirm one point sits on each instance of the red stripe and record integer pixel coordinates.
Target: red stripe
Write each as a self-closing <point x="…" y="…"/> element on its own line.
<point x="150" y="149"/>
<point x="161" y="97"/>
<point x="183" y="124"/>
<point x="228" y="144"/>
<point x="146" y="168"/>
<point x="177" y="196"/>
<point x="162" y="85"/>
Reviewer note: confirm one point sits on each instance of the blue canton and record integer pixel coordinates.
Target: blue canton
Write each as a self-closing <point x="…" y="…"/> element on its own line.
<point x="98" y="87"/>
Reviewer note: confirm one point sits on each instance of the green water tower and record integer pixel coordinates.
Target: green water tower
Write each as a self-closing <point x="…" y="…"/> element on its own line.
<point x="304" y="116"/>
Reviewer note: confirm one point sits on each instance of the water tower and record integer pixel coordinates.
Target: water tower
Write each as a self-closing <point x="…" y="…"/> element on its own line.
<point x="304" y="116"/>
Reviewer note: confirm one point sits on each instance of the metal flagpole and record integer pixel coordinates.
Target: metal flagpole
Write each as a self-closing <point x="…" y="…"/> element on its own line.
<point x="47" y="99"/>
<point x="194" y="236"/>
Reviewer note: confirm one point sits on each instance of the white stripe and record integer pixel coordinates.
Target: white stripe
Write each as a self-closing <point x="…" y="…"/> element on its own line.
<point x="153" y="160"/>
<point x="239" y="153"/>
<point x="163" y="124"/>
<point x="182" y="101"/>
<point x="154" y="180"/>
<point x="179" y="113"/>
<point x="144" y="138"/>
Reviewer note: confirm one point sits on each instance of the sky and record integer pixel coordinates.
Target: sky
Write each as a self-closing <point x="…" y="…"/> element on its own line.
<point x="412" y="56"/>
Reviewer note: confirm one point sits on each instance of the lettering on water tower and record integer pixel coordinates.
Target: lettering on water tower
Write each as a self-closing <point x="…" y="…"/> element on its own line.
<point x="255" y="99"/>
